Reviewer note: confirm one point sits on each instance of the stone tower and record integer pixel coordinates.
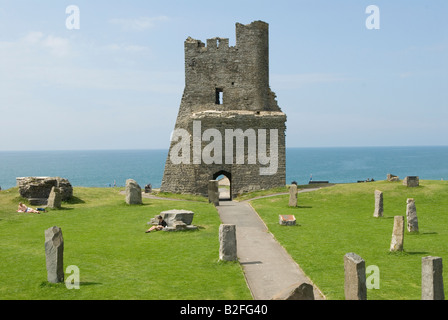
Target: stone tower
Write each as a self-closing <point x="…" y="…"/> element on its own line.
<point x="229" y="122"/>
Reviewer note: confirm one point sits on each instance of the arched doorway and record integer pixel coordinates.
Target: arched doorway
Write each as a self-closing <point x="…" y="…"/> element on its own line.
<point x="224" y="185"/>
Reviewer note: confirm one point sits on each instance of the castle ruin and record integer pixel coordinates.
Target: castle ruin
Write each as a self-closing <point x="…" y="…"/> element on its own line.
<point x="229" y="122"/>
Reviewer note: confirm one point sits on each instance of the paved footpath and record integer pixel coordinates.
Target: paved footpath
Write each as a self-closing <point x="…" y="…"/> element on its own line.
<point x="267" y="266"/>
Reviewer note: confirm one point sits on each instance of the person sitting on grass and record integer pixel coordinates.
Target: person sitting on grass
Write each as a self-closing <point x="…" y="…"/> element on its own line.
<point x="24" y="208"/>
<point x="162" y="224"/>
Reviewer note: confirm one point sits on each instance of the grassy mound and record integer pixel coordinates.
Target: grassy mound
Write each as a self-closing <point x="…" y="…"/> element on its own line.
<point x="104" y="237"/>
<point x="336" y="220"/>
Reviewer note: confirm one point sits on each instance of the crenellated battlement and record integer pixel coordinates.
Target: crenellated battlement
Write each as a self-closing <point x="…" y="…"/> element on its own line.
<point x="213" y="44"/>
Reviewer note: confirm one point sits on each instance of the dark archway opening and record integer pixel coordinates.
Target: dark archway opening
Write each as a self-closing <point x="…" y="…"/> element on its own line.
<point x="224" y="185"/>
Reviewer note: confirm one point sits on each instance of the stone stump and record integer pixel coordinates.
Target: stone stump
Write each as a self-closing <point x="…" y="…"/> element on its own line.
<point x="378" y="204"/>
<point x="396" y="243"/>
<point x="297" y="291"/>
<point x="227" y="242"/>
<point x="432" y="279"/>
<point x="55" y="198"/>
<point x="355" y="287"/>
<point x="54" y="254"/>
<point x="133" y="192"/>
<point x="176" y="220"/>
<point x="411" y="215"/>
<point x="213" y="192"/>
<point x="287" y="220"/>
<point x="293" y="195"/>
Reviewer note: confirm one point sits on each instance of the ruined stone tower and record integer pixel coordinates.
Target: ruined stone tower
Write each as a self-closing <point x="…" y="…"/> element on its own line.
<point x="229" y="122"/>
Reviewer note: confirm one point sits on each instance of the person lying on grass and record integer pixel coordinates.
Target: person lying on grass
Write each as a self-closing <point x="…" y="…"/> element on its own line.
<point x="162" y="224"/>
<point x="24" y="208"/>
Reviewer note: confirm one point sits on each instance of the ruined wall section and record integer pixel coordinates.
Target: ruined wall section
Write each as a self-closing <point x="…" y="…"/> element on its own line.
<point x="193" y="178"/>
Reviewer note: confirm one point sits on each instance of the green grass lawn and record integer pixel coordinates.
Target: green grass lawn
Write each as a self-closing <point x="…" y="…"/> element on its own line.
<point x="104" y="237"/>
<point x="336" y="220"/>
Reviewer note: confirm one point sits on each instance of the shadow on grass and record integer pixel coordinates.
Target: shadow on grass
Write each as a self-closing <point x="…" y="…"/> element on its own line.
<point x="74" y="200"/>
<point x="417" y="252"/>
<point x="406" y="253"/>
<point x="46" y="284"/>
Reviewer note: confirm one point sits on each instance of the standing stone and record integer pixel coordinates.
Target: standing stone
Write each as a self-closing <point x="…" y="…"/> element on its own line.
<point x="293" y="195"/>
<point x="54" y="254"/>
<point x="432" y="279"/>
<point x="213" y="192"/>
<point x="411" y="215"/>
<point x="133" y="192"/>
<point x="397" y="234"/>
<point x="378" y="204"/>
<point x="54" y="199"/>
<point x="227" y="242"/>
<point x="355" y="277"/>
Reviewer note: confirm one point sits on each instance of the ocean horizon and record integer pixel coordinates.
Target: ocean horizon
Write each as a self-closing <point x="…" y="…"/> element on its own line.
<point x="106" y="168"/>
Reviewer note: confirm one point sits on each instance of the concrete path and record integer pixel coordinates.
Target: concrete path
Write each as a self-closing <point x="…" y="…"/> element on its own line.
<point x="267" y="266"/>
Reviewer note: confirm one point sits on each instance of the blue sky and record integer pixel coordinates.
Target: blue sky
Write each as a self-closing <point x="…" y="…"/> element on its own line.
<point x="117" y="82"/>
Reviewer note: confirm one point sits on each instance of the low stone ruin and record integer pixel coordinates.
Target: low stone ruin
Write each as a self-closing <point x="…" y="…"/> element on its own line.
<point x="411" y="181"/>
<point x="38" y="189"/>
<point x="176" y="220"/>
<point x="392" y="178"/>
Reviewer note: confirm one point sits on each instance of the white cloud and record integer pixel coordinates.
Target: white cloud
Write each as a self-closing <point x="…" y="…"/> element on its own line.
<point x="33" y="37"/>
<point x="138" y="24"/>
<point x="36" y="41"/>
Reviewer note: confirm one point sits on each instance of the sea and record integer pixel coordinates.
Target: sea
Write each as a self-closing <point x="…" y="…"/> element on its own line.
<point x="109" y="168"/>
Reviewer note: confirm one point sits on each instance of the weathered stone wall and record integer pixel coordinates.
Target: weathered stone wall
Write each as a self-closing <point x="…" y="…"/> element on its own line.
<point x="40" y="187"/>
<point x="228" y="88"/>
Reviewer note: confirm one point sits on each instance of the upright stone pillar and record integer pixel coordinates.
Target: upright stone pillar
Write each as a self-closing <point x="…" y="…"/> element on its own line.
<point x="432" y="279"/>
<point x="54" y="254"/>
<point x="293" y="195"/>
<point x="54" y="199"/>
<point x="133" y="192"/>
<point x="396" y="243"/>
<point x="227" y="242"/>
<point x="355" y="277"/>
<point x="411" y="215"/>
<point x="378" y="204"/>
<point x="213" y="192"/>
